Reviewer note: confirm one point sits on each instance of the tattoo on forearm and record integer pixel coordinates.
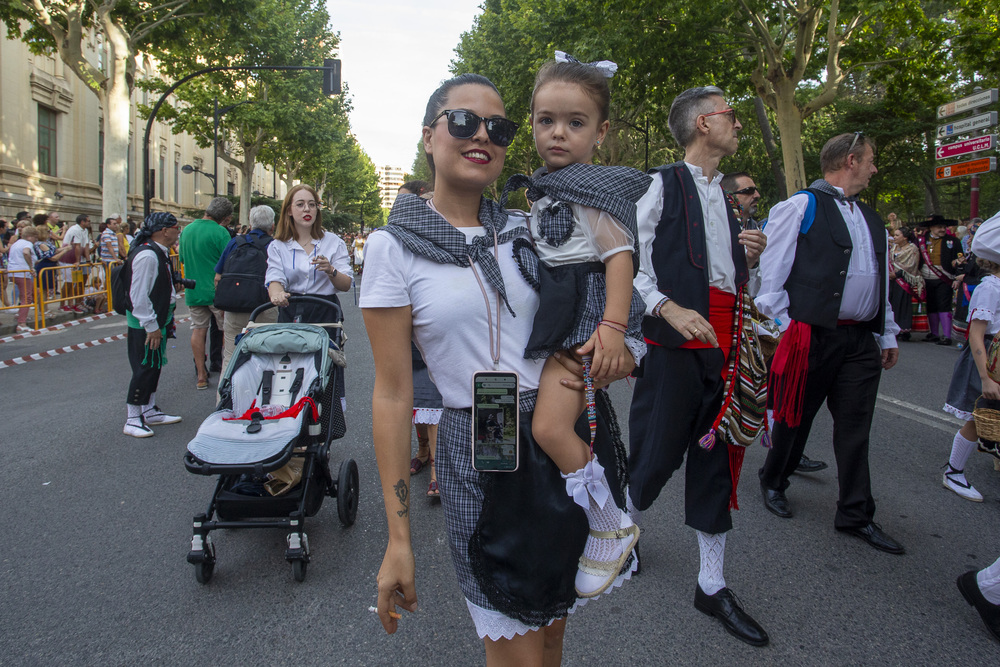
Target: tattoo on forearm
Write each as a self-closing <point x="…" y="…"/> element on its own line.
<point x="403" y="493"/>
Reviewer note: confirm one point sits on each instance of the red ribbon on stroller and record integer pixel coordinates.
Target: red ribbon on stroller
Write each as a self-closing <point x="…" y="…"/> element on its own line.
<point x="292" y="411"/>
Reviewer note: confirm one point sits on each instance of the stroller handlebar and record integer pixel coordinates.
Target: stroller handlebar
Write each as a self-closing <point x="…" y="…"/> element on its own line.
<point x="303" y="298"/>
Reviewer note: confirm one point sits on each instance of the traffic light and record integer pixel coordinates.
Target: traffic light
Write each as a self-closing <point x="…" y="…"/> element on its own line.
<point x="331" y="77"/>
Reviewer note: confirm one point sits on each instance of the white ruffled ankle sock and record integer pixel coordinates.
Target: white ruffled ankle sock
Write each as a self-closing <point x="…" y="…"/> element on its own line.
<point x="989" y="582"/>
<point x="713" y="553"/>
<point x="589" y="489"/>
<point x="960" y="451"/>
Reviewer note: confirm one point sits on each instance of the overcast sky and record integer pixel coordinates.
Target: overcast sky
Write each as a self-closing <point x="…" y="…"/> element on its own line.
<point x="393" y="54"/>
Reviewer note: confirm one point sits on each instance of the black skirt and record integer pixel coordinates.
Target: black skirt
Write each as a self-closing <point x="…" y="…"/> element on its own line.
<point x="902" y="306"/>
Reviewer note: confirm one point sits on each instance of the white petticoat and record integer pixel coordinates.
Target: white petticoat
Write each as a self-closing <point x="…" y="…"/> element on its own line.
<point x="961" y="414"/>
<point x="495" y="625"/>
<point x="427" y="415"/>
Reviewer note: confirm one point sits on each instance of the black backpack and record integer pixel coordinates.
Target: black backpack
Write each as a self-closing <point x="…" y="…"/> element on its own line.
<point x="121" y="278"/>
<point x="241" y="288"/>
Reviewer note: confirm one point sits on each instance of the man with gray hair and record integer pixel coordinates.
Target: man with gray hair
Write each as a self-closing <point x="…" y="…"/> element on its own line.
<point x="694" y="262"/>
<point x="202" y="243"/>
<point x="824" y="279"/>
<point x="239" y="277"/>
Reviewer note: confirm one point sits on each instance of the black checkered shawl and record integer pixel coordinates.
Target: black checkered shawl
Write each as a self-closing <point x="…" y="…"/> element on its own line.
<point x="425" y="232"/>
<point x="614" y="190"/>
<point x="821" y="185"/>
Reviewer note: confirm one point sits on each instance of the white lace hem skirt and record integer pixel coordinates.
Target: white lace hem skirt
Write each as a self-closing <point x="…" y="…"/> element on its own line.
<point x="494" y="625"/>
<point x="961" y="414"/>
<point x="427" y="415"/>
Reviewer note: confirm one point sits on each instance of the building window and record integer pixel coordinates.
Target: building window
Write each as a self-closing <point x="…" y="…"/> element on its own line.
<point x="46" y="141"/>
<point x="163" y="177"/>
<point x="100" y="155"/>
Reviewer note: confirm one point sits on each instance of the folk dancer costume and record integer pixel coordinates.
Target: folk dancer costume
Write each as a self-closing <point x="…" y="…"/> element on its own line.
<point x="581" y="215"/>
<point x="966" y="384"/>
<point x="516" y="575"/>
<point x="826" y="285"/>
<point x="938" y="271"/>
<point x="907" y="286"/>
<point x="690" y="253"/>
<point x="149" y="274"/>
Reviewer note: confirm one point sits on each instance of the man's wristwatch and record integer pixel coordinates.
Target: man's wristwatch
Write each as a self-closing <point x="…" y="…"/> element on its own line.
<point x="334" y="274"/>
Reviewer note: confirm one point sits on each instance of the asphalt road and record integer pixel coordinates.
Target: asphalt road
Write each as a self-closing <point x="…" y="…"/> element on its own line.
<point x="96" y="526"/>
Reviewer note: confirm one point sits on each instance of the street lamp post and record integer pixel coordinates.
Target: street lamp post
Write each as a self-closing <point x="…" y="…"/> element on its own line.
<point x="188" y="169"/>
<point x="331" y="85"/>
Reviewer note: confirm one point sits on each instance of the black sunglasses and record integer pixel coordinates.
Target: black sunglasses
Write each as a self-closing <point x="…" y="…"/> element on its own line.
<point x="857" y="135"/>
<point x="749" y="190"/>
<point x="463" y="124"/>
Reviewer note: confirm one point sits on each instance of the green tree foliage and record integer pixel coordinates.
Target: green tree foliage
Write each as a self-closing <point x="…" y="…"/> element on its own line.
<point x="268" y="108"/>
<point x="127" y="29"/>
<point x="797" y="70"/>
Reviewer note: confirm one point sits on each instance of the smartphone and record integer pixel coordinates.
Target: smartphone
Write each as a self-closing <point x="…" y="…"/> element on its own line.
<point x="495" y="421"/>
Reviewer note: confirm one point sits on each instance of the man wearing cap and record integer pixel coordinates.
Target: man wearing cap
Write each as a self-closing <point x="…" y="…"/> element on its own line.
<point x="824" y="279"/>
<point x="149" y="274"/>
<point x="940" y="251"/>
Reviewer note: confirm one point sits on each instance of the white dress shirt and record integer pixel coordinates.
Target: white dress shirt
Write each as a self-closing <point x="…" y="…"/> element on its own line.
<point x="145" y="267"/>
<point x="718" y="242"/>
<point x="860" y="300"/>
<point x="289" y="264"/>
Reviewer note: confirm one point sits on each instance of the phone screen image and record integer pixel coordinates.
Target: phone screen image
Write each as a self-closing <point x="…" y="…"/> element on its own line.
<point x="495" y="421"/>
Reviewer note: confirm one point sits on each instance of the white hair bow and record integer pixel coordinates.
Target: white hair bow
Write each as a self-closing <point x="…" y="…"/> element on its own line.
<point x="606" y="67"/>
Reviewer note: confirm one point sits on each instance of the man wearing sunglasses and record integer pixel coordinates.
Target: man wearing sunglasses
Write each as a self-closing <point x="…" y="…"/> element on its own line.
<point x="694" y="260"/>
<point x="824" y="279"/>
<point x="741" y="187"/>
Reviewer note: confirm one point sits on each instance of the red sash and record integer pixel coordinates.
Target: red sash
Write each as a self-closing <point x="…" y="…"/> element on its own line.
<point x="922" y="244"/>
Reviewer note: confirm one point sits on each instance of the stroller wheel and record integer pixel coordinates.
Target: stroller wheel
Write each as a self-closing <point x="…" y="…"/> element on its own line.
<point x="299" y="569"/>
<point x="203" y="571"/>
<point x="347" y="493"/>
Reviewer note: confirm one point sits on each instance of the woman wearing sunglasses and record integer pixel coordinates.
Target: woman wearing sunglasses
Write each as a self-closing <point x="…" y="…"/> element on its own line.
<point x="451" y="273"/>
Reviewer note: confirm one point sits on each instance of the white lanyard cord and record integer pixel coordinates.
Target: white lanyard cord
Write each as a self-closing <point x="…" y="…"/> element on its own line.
<point x="494" y="352"/>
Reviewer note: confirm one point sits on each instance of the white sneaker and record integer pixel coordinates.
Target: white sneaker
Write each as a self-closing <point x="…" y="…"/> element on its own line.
<point x="955" y="481"/>
<point x="155" y="416"/>
<point x="24" y="329"/>
<point x="139" y="430"/>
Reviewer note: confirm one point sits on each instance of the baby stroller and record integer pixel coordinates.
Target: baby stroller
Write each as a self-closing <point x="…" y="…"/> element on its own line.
<point x="269" y="438"/>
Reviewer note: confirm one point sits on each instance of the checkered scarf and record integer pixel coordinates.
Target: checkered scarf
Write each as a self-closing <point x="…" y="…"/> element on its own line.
<point x="614" y="190"/>
<point x="425" y="232"/>
<point x="821" y="185"/>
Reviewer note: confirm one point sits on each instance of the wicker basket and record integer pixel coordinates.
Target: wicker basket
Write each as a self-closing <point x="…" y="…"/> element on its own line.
<point x="993" y="359"/>
<point x="987" y="422"/>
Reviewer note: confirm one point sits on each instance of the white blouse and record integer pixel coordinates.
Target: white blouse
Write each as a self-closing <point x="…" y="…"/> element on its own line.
<point x="289" y="264"/>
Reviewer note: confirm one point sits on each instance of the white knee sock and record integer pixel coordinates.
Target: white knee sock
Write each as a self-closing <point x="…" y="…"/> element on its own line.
<point x="960" y="451"/>
<point x="989" y="582"/>
<point x="134" y="412"/>
<point x="713" y="552"/>
<point x="633" y="512"/>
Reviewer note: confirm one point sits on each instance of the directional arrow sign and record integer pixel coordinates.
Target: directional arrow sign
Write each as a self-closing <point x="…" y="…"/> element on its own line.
<point x="973" y="145"/>
<point x="969" y="124"/>
<point x="980" y="166"/>
<point x="980" y="99"/>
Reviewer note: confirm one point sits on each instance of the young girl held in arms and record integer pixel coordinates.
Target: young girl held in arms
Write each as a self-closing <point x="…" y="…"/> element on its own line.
<point x="584" y="227"/>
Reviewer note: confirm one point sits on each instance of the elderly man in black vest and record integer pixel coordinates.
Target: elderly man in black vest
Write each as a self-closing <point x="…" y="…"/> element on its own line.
<point x="824" y="279"/>
<point x="693" y="263"/>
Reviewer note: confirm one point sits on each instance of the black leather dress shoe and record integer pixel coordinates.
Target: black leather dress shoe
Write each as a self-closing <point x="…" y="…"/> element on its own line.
<point x="989" y="612"/>
<point x="806" y="464"/>
<point x="776" y="502"/>
<point x="944" y="341"/>
<point x="873" y="535"/>
<point x="725" y="607"/>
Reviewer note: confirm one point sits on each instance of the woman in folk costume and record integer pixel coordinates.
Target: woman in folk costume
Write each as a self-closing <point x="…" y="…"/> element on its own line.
<point x="445" y="273"/>
<point x="907" y="286"/>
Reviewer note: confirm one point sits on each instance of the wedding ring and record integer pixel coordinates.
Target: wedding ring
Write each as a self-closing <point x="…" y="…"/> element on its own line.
<point x="694" y="331"/>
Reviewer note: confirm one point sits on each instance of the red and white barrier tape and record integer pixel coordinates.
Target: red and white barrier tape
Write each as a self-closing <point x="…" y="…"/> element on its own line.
<point x="69" y="348"/>
<point x="56" y="327"/>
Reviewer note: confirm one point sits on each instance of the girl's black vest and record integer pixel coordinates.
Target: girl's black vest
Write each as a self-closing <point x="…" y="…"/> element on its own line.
<point x="815" y="284"/>
<point x="679" y="255"/>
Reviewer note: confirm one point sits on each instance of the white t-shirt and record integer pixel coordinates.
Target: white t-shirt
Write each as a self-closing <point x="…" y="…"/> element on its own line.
<point x="15" y="257"/>
<point x="450" y="325"/>
<point x="985" y="304"/>
<point x="288" y="264"/>
<point x="77" y="234"/>
<point x="596" y="236"/>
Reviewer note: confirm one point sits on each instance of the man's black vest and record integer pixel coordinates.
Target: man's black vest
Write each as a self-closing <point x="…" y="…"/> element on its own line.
<point x="679" y="255"/>
<point x="815" y="284"/>
<point x="159" y="295"/>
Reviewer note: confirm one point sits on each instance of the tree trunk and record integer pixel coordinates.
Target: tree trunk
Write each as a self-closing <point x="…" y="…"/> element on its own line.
<point x="115" y="98"/>
<point x="790" y="131"/>
<point x="246" y="184"/>
<point x="771" y="148"/>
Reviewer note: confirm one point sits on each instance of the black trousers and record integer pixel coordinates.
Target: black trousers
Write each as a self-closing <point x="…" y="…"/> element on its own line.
<point x="144" y="378"/>
<point x="216" y="339"/>
<point x="673" y="405"/>
<point x="939" y="294"/>
<point x="845" y="366"/>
